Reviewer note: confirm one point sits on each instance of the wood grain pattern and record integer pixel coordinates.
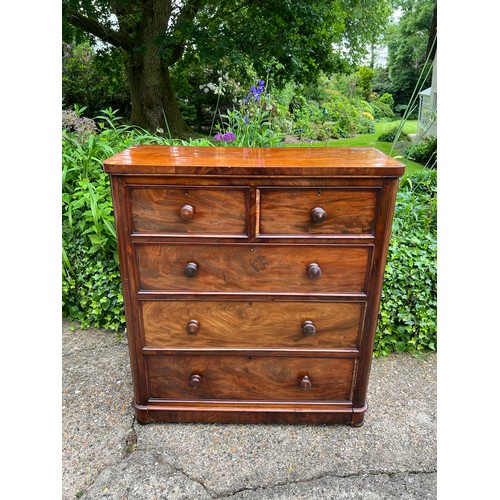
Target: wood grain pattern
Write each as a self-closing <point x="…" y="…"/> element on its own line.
<point x="253" y="268"/>
<point x="251" y="324"/>
<point x="216" y="211"/>
<point x="181" y="160"/>
<point x="250" y="378"/>
<point x="288" y="211"/>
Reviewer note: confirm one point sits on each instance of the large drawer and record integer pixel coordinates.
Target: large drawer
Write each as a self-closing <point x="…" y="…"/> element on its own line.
<point x="239" y="377"/>
<point x="323" y="211"/>
<point x="252" y="324"/>
<point x="189" y="211"/>
<point x="259" y="268"/>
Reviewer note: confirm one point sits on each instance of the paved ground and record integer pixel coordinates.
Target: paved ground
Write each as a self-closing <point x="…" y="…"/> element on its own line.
<point x="106" y="454"/>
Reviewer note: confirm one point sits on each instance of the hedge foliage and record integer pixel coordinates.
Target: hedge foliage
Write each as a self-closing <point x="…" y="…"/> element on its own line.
<point x="91" y="287"/>
<point x="408" y="308"/>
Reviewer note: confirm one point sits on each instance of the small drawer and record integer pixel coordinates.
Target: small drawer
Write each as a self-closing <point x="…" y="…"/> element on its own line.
<point x="259" y="268"/>
<point x="189" y="211"/>
<point x="323" y="211"/>
<point x="251" y="324"/>
<point x="241" y="377"/>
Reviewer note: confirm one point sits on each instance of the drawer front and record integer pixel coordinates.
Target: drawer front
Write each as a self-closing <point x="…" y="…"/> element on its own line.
<point x="250" y="378"/>
<point x="189" y="211"/>
<point x="253" y="268"/>
<point x="251" y="324"/>
<point x="322" y="211"/>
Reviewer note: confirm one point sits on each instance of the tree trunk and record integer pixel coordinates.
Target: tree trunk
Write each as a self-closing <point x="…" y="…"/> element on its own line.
<point x="141" y="35"/>
<point x="154" y="103"/>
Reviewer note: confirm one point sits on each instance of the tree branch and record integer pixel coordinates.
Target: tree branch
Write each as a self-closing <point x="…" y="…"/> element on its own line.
<point x="115" y="38"/>
<point x="218" y="16"/>
<point x="187" y="14"/>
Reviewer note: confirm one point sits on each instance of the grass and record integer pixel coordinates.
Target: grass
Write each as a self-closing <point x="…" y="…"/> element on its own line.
<point x="370" y="140"/>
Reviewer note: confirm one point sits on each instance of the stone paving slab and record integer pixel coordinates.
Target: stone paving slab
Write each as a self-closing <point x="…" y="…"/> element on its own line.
<point x="107" y="454"/>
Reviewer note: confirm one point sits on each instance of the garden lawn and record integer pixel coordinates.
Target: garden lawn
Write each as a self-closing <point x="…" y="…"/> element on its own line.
<point x="370" y="140"/>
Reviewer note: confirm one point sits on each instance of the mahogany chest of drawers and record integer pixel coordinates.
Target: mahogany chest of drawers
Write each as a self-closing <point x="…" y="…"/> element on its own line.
<point x="252" y="279"/>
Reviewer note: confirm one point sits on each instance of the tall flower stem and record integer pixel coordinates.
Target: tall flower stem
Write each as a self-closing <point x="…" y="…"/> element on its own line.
<point x="216" y="108"/>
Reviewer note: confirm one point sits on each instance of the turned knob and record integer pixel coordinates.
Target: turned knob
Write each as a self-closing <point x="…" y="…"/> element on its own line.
<point x="313" y="271"/>
<point x="318" y="215"/>
<point x="305" y="383"/>
<point x="186" y="212"/>
<point x="308" y="328"/>
<point x="195" y="381"/>
<point x="190" y="270"/>
<point x="193" y="327"/>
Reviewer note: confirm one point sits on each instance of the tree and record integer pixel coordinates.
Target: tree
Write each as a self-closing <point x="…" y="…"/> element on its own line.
<point x="407" y="46"/>
<point x="94" y="79"/>
<point x="293" y="37"/>
<point x="365" y="75"/>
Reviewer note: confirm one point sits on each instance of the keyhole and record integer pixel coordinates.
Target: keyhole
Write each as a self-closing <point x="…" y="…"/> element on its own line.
<point x="319" y="193"/>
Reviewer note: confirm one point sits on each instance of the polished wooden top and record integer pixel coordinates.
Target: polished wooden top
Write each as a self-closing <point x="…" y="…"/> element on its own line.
<point x="295" y="161"/>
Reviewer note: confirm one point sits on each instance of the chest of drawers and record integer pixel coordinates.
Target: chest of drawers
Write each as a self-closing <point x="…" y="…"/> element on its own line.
<point x="252" y="279"/>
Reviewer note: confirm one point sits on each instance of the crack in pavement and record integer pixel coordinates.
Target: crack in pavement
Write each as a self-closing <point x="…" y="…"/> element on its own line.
<point x="323" y="476"/>
<point x="131" y="447"/>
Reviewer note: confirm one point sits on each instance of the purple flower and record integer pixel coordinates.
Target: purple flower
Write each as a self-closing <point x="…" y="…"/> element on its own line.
<point x="228" y="137"/>
<point x="262" y="83"/>
<point x="218" y="137"/>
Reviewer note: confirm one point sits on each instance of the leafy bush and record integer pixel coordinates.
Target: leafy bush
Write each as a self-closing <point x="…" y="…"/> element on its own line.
<point x="382" y="110"/>
<point x="387" y="99"/>
<point x="91" y="280"/>
<point x="390" y="135"/>
<point x="312" y="131"/>
<point x="424" y="152"/>
<point x="94" y="78"/>
<point x="408" y="307"/>
<point x="366" y="75"/>
<point x="366" y="124"/>
<point x="91" y="287"/>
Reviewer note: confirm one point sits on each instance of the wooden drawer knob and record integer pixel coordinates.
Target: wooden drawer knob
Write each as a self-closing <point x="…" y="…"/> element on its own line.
<point x="190" y="270"/>
<point x="305" y="383"/>
<point x="313" y="271"/>
<point x="318" y="215"/>
<point x="195" y="381"/>
<point x="193" y="327"/>
<point x="308" y="328"/>
<point x="186" y="212"/>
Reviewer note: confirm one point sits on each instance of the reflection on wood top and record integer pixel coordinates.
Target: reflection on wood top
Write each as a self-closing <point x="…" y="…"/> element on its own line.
<point x="194" y="160"/>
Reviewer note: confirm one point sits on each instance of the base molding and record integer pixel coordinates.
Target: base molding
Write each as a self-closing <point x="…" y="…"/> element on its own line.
<point x="253" y="413"/>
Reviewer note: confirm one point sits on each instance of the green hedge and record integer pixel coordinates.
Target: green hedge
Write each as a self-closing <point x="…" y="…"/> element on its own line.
<point x="408" y="308"/>
<point x="92" y="294"/>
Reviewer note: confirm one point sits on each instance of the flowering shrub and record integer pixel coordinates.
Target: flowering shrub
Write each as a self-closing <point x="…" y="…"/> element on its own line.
<point x="251" y="124"/>
<point x="83" y="127"/>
